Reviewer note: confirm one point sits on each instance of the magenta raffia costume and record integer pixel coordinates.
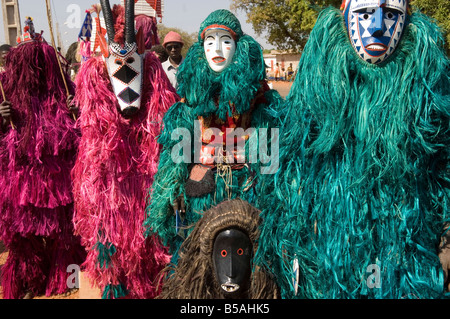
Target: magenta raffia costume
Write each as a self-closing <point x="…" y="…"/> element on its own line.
<point x="118" y="156"/>
<point x="37" y="153"/>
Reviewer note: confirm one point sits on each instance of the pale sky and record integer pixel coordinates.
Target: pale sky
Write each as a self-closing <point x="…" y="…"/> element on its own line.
<point x="183" y="14"/>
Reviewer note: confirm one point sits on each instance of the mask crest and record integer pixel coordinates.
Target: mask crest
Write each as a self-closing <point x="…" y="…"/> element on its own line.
<point x="124" y="62"/>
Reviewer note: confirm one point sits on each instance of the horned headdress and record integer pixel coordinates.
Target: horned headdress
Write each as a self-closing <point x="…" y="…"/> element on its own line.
<point x="124" y="62"/>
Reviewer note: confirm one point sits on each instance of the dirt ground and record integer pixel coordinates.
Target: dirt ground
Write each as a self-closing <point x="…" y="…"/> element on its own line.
<point x="281" y="86"/>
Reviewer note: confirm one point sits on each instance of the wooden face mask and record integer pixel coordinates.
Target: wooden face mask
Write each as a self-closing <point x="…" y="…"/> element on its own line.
<point x="375" y="27"/>
<point x="219" y="47"/>
<point x="232" y="255"/>
<point x="124" y="63"/>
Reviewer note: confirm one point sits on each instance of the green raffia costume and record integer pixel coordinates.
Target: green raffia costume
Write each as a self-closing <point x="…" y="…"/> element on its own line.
<point x="364" y="171"/>
<point x="238" y="92"/>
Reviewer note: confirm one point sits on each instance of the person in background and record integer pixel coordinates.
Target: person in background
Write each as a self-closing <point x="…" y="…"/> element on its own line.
<point x="290" y="72"/>
<point x="4" y="50"/>
<point x="160" y="52"/>
<point x="277" y="72"/>
<point x="173" y="43"/>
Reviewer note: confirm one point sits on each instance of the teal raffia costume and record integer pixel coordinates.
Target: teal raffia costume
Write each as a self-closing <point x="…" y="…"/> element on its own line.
<point x="232" y="95"/>
<point x="362" y="193"/>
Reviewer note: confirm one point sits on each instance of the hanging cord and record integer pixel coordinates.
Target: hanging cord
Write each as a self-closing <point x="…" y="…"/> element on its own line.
<point x="4" y="99"/>
<point x="50" y="25"/>
<point x="224" y="171"/>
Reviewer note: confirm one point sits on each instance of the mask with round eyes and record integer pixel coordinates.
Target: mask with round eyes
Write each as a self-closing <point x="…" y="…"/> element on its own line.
<point x="124" y="63"/>
<point x="375" y="27"/>
<point x="219" y="48"/>
<point x="232" y="255"/>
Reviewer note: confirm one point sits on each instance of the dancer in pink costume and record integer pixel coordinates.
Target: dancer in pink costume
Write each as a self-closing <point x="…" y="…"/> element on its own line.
<point x="38" y="147"/>
<point x="123" y="97"/>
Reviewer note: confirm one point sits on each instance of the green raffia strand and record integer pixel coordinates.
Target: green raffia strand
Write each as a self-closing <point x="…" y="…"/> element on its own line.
<point x="114" y="291"/>
<point x="104" y="254"/>
<point x="364" y="169"/>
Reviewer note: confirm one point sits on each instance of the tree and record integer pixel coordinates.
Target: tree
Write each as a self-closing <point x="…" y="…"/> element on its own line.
<point x="286" y="22"/>
<point x="289" y="22"/>
<point x="188" y="38"/>
<point x="438" y="10"/>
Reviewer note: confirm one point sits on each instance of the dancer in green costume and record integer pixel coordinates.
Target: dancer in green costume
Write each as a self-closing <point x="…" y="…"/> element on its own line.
<point x="224" y="92"/>
<point x="362" y="193"/>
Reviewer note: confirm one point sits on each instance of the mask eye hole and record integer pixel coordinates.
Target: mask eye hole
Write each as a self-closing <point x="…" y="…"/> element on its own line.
<point x="389" y="15"/>
<point x="240" y="251"/>
<point x="119" y="62"/>
<point x="130" y="60"/>
<point x="223" y="253"/>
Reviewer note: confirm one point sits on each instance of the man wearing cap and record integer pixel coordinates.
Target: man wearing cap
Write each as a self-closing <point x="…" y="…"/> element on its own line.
<point x="173" y="43"/>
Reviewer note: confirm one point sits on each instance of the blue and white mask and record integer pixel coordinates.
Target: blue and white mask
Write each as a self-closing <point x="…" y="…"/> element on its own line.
<point x="375" y="27"/>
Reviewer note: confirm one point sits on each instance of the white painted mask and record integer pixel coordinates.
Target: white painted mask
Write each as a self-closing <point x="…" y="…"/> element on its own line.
<point x="124" y="63"/>
<point x="219" y="48"/>
<point x="125" y="67"/>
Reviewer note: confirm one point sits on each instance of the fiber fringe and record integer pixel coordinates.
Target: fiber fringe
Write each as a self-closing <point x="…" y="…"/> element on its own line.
<point x="364" y="176"/>
<point x="113" y="173"/>
<point x="35" y="162"/>
<point x="193" y="276"/>
<point x="171" y="177"/>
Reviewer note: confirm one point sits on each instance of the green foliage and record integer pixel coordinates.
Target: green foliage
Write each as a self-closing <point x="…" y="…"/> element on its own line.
<point x="438" y="10"/>
<point x="286" y="22"/>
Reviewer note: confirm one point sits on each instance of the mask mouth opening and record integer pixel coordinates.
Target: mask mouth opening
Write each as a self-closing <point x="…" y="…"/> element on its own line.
<point x="218" y="59"/>
<point x="376" y="47"/>
<point x="230" y="287"/>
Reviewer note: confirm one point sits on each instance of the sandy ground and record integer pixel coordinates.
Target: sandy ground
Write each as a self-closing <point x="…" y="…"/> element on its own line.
<point x="3" y="256"/>
<point x="281" y="86"/>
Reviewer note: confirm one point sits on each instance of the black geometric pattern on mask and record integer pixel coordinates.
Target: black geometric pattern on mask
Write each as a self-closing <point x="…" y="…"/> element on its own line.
<point x="128" y="96"/>
<point x="125" y="74"/>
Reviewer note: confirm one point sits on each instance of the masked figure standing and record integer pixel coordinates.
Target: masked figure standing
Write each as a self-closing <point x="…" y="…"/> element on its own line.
<point x="224" y="94"/>
<point x="362" y="190"/>
<point x="221" y="247"/>
<point x="37" y="152"/>
<point x="122" y="97"/>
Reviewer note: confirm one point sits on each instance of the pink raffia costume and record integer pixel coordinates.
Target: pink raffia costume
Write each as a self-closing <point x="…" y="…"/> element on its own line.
<point x="37" y="152"/>
<point x="123" y="97"/>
